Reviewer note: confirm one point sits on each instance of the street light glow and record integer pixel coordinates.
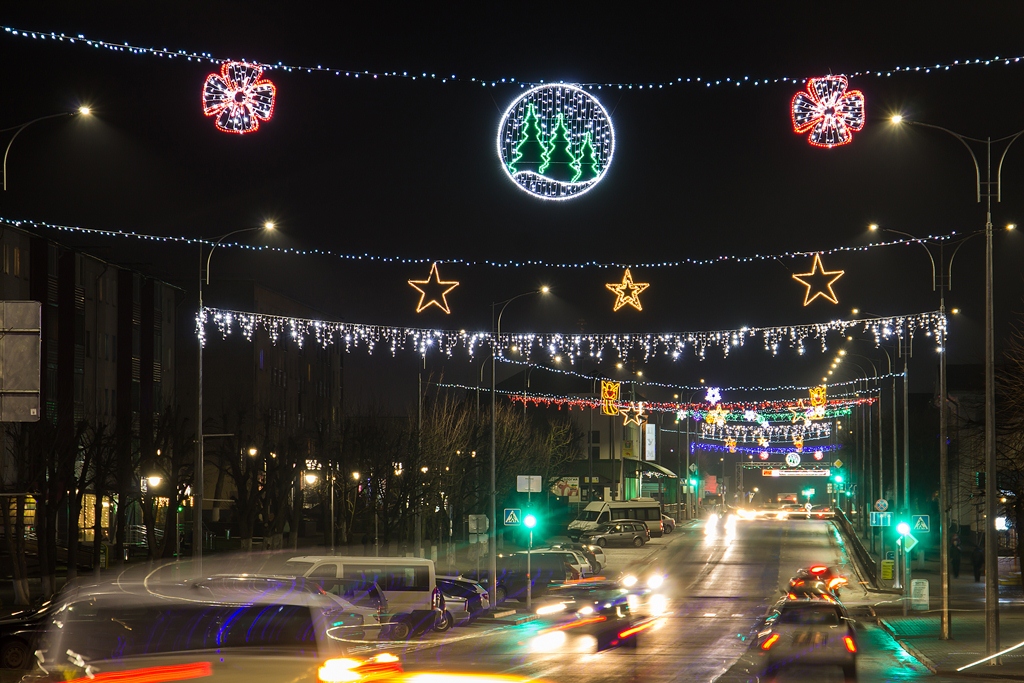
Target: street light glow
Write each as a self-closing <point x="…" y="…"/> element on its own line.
<point x="897" y="118"/>
<point x="873" y="226"/>
<point x="84" y="110"/>
<point x="269" y="225"/>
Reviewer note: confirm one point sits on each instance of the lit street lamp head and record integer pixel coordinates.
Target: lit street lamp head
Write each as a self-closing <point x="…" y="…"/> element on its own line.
<point x="84" y="111"/>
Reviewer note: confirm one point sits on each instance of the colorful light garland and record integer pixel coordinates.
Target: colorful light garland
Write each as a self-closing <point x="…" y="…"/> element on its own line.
<point x="556" y="142"/>
<point x="735" y="81"/>
<point x="572" y="346"/>
<point x="371" y="258"/>
<point x="762" y="453"/>
<point x="774" y="433"/>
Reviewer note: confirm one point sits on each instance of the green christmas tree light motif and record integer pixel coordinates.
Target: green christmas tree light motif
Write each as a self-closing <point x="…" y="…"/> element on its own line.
<point x="530" y="148"/>
<point x="559" y="161"/>
<point x="587" y="167"/>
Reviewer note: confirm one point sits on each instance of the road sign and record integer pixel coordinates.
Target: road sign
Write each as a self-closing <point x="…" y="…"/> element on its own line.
<point x="513" y="516"/>
<point x="792" y="459"/>
<point x="921" y="523"/>
<point x="887" y="567"/>
<point x="531" y="483"/>
<point x="909" y="542"/>
<point x="795" y="472"/>
<point x="693" y="468"/>
<point x="881" y="505"/>
<point x="884" y="518"/>
<point x="890" y="555"/>
<point x="478" y="524"/>
<point x="919" y="594"/>
<point x="837" y="463"/>
<point x="873" y="518"/>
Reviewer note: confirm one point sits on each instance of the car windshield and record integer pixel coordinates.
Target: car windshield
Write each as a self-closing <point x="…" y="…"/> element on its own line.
<point x="589" y="516"/>
<point x="805" y="616"/>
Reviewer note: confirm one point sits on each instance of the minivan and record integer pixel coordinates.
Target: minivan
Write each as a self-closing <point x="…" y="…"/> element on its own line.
<point x="408" y="583"/>
<point x="646" y="510"/>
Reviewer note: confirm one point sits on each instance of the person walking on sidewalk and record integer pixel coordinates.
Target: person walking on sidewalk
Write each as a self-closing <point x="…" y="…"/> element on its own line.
<point x="978" y="558"/>
<point x="954" y="555"/>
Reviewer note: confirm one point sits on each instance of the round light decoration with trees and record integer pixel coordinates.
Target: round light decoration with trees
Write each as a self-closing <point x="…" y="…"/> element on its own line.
<point x="556" y="141"/>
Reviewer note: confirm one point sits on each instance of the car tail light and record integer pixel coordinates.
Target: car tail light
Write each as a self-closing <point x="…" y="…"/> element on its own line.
<point x="636" y="629"/>
<point x="850" y="645"/>
<point x="818" y="569"/>
<point x="767" y="645"/>
<point x="154" y="674"/>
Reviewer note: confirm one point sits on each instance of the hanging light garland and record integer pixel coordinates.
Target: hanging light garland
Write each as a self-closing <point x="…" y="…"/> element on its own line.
<point x="371" y="258"/>
<point x="734" y="81"/>
<point x="751" y="433"/>
<point x="762" y="453"/>
<point x="574" y="346"/>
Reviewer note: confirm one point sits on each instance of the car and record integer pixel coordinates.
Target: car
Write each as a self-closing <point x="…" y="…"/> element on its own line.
<point x="546" y="569"/>
<point x="594" y="554"/>
<point x="624" y="532"/>
<point x="20" y="630"/>
<point x="668" y="524"/>
<point x="130" y="632"/>
<point x="464" y="598"/>
<point x="808" y="632"/>
<point x="830" y="576"/>
<point x="577" y="560"/>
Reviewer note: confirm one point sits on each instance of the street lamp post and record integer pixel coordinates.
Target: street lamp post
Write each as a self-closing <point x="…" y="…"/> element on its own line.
<point x="493" y="545"/>
<point x="83" y="111"/>
<point x="200" y="464"/>
<point x="992" y="187"/>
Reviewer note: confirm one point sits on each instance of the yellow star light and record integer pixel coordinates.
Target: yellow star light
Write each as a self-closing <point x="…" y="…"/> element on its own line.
<point x="633" y="414"/>
<point x="433" y="282"/>
<point x="628" y="292"/>
<point x="817" y="270"/>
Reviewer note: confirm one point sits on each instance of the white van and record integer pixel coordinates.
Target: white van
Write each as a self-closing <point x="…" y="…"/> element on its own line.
<point x="646" y="510"/>
<point x="409" y="584"/>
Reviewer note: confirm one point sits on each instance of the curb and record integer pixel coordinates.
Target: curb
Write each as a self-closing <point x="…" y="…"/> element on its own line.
<point x="913" y="651"/>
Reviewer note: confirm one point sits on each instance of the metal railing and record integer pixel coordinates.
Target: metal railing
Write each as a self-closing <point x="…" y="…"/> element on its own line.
<point x="859" y="552"/>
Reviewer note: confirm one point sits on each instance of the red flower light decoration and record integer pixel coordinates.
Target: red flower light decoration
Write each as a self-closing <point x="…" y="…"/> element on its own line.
<point x="828" y="111"/>
<point x="238" y="97"/>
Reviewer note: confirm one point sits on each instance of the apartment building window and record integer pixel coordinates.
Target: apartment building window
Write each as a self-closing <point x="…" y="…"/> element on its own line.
<point x="595" y="436"/>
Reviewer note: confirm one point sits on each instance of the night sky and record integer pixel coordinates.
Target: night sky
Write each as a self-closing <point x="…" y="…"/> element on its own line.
<point x="407" y="168"/>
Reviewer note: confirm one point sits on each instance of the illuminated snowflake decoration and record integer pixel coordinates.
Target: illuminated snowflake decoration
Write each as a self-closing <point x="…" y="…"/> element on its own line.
<point x="818" y="455"/>
<point x="763" y="455"/>
<point x="828" y="111"/>
<point x="713" y="396"/>
<point x="556" y="141"/>
<point x="750" y="415"/>
<point x="238" y="97"/>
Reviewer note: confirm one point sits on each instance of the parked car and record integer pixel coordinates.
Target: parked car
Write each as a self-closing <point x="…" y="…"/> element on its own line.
<point x="626" y="532"/>
<point x="668" y="523"/>
<point x="465" y="599"/>
<point x="546" y="569"/>
<point x="593" y="553"/>
<point x="20" y="631"/>
<point x="575" y="559"/>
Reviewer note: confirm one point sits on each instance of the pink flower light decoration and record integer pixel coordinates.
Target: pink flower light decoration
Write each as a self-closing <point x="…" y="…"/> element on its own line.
<point x="238" y="97"/>
<point x="828" y="111"/>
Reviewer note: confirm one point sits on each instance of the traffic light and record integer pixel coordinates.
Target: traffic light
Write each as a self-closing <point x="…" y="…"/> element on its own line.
<point x="693" y="481"/>
<point x="530" y="521"/>
<point x="903" y="528"/>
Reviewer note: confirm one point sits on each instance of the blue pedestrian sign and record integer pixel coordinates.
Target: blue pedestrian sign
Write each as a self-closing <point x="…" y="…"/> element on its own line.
<point x="513" y="516"/>
<point x="921" y="523"/>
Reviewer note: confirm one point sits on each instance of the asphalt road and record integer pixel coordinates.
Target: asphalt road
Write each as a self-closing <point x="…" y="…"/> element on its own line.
<point x="720" y="580"/>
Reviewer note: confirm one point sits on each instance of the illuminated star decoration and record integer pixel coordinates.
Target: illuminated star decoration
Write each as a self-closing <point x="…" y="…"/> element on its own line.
<point x="238" y="97"/>
<point x="633" y="414"/>
<point x="817" y="270"/>
<point x="628" y="292"/>
<point x="762" y="441"/>
<point x="828" y="111"/>
<point x="730" y="443"/>
<point x="433" y="281"/>
<point x="798" y="443"/>
<point x="713" y="396"/>
<point x="716" y="416"/>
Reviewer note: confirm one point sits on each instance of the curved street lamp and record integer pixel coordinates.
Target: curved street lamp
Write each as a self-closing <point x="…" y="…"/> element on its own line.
<point x="200" y="464"/>
<point x="81" y="111"/>
<point x="993" y="187"/>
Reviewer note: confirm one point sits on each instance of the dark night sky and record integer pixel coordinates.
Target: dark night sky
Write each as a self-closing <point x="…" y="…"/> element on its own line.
<point x="407" y="168"/>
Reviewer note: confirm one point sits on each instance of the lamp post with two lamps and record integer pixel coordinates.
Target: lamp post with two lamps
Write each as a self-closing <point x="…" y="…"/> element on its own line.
<point x="81" y="111"/>
<point x="992" y="188"/>
<point x="197" y="484"/>
<point x="493" y="549"/>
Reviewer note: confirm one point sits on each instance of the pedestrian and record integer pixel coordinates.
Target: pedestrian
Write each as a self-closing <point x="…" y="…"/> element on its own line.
<point x="978" y="559"/>
<point x="954" y="555"/>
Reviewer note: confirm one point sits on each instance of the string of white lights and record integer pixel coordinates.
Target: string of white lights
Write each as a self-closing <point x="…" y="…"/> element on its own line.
<point x="371" y="258"/>
<point x="574" y="346"/>
<point x="734" y="81"/>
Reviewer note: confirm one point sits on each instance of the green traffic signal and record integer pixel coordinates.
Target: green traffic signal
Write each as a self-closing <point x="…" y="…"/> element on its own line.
<point x="903" y="528"/>
<point x="838" y="478"/>
<point x="529" y="521"/>
<point x="693" y="482"/>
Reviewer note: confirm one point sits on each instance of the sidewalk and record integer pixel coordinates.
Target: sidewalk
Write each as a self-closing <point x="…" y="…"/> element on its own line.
<point x="918" y="632"/>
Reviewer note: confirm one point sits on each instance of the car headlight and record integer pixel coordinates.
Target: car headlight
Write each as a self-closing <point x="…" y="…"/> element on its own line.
<point x="655" y="581"/>
<point x="629" y="581"/>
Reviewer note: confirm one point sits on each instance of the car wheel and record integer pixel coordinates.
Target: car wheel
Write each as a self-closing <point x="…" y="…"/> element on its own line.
<point x="14" y="654"/>
<point x="443" y="622"/>
<point x="638" y="542"/>
<point x="601" y="542"/>
<point x="499" y="595"/>
<point x="401" y="629"/>
<point x="850" y="674"/>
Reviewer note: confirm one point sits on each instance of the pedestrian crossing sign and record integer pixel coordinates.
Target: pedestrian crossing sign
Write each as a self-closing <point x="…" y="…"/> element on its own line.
<point x="513" y="516"/>
<point x="921" y="523"/>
